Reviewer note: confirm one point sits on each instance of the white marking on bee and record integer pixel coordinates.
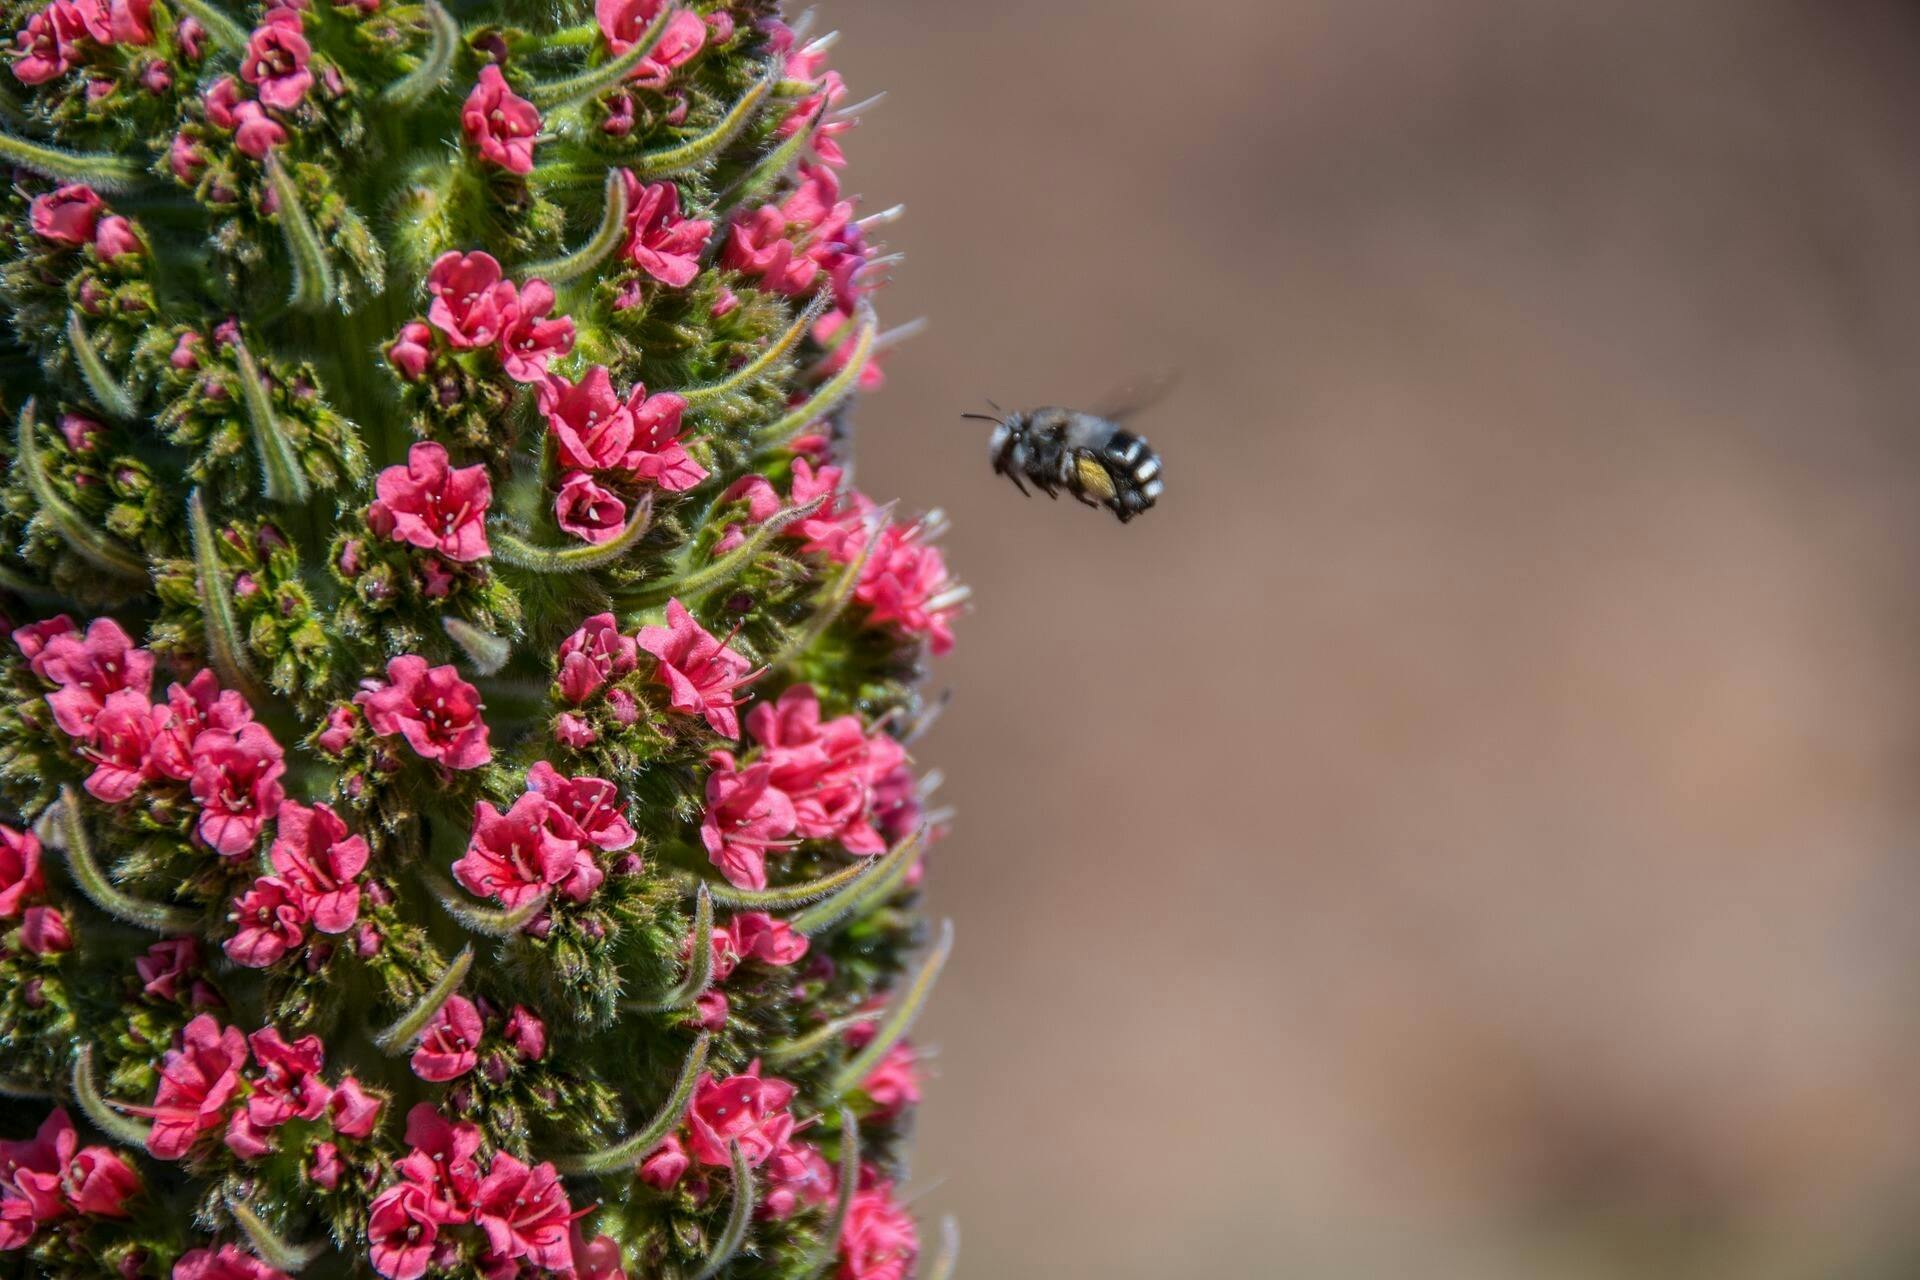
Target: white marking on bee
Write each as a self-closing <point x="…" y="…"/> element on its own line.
<point x="1151" y="489"/>
<point x="1147" y="470"/>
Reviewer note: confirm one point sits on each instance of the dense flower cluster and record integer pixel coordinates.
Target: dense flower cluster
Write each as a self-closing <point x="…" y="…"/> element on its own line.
<point x="457" y="816"/>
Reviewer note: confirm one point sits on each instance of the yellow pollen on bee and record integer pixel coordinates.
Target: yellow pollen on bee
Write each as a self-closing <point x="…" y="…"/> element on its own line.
<point x="1094" y="478"/>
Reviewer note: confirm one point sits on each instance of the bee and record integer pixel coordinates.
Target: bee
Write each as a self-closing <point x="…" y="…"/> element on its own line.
<point x="1087" y="453"/>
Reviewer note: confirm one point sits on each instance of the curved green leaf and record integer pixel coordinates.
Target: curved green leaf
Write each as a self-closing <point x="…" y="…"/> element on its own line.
<point x="397" y="1038"/>
<point x="557" y="94"/>
<point x="699" y="975"/>
<point x="751" y="371"/>
<point x="86" y="1092"/>
<point x="443" y="39"/>
<point x="103" y="893"/>
<point x="734" y="1234"/>
<point x="92" y="544"/>
<point x="823" y="1253"/>
<point x="104" y="173"/>
<point x="664" y="162"/>
<point x="225" y="647"/>
<point x="271" y="1249"/>
<point x="282" y="482"/>
<point x="863" y="893"/>
<point x="831" y="392"/>
<point x="521" y="554"/>
<point x="612" y="230"/>
<point x="101" y="384"/>
<point x="313" y="286"/>
<point x="628" y="1153"/>
<point x="899" y="1018"/>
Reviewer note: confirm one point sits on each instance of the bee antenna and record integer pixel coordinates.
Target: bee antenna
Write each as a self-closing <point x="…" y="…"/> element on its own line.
<point x="985" y="417"/>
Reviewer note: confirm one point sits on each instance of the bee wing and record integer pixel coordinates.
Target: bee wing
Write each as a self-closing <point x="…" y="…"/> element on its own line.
<point x="1136" y="395"/>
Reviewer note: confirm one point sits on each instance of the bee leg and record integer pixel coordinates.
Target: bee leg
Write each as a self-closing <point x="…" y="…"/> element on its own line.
<point x="1016" y="483"/>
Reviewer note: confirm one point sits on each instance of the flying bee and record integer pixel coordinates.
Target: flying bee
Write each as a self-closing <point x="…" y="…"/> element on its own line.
<point x="1087" y="453"/>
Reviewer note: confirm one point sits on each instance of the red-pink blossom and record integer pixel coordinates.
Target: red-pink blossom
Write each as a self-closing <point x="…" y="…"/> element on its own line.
<point x="879" y="1241"/>
<point x="583" y="808"/>
<point x="236" y="780"/>
<point x="255" y="132"/>
<point x="44" y="931"/>
<point x="66" y="216"/>
<point x="700" y="671"/>
<point x="447" y="1050"/>
<point x="89" y="668"/>
<point x="441" y="1160"/>
<point x="500" y="123"/>
<point x="587" y="511"/>
<point x="669" y="1162"/>
<point x="191" y="709"/>
<point x="526" y="1033"/>
<point x="894" y="1082"/>
<point x="656" y="453"/>
<point x="198" y="1080"/>
<point x="272" y="921"/>
<point x="746" y="816"/>
<point x="826" y="768"/>
<point x="33" y="638"/>
<point x="30" y="1173"/>
<point x="591" y="427"/>
<point x="98" y="1182"/>
<point x="353" y="1111"/>
<point x="746" y="1109"/>
<point x="276" y="60"/>
<point x="530" y="340"/>
<point x="905" y="584"/>
<point x="659" y="241"/>
<point x="525" y="1214"/>
<point x="472" y="304"/>
<point x="410" y="352"/>
<point x="797" y="1177"/>
<point x="120" y="745"/>
<point x="755" y="935"/>
<point x="317" y="857"/>
<point x="596" y="1259"/>
<point x="516" y="856"/>
<point x="428" y="504"/>
<point x="757" y="245"/>
<point x="20" y="874"/>
<point x="289" y="1086"/>
<point x="132" y="21"/>
<point x="436" y="711"/>
<point x="47" y="43"/>
<point x="224" y="1263"/>
<point x="596" y="653"/>
<point x="403" y="1227"/>
<point x="166" y="965"/>
<point x="623" y="21"/>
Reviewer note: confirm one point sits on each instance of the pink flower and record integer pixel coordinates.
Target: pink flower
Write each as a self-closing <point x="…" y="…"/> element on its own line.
<point x="166" y="965"/>
<point x="436" y="711"/>
<point x="525" y="1213"/>
<point x="30" y="1173"/>
<point x="797" y="1176"/>
<point x="132" y="21"/>
<point x="89" y="669"/>
<point x="66" y="216"/>
<point x="33" y="638"/>
<point x="236" y="780"/>
<point x="115" y="238"/>
<point x="20" y="875"/>
<point x="745" y="1109"/>
<point x="894" y="1082"/>
<point x="410" y="352"/>
<point x="905" y="583"/>
<point x="354" y="1112"/>
<point x="530" y="341"/>
<point x="447" y="1050"/>
<point x="755" y="935"/>
<point x="699" y="671"/>
<point x="590" y="425"/>
<point x="224" y="1263"/>
<point x="666" y="1166"/>
<point x="880" y="1241"/>
<point x="569" y="730"/>
<point x="656" y="454"/>
<point x="320" y="861"/>
<point x="500" y="123"/>
<point x="472" y="305"/>
<point x="191" y="710"/>
<point x="442" y="1161"/>
<point x="98" y="1182"/>
<point x="526" y="1033"/>
<point x="327" y="1169"/>
<point x="197" y="1082"/>
<point x="120" y="745"/>
<point x="587" y="511"/>
<point x="289" y="1086"/>
<point x="623" y="21"/>
<point x="517" y="856"/>
<point x="430" y="505"/>
<point x="402" y="1229"/>
<point x="187" y="161"/>
<point x="757" y="245"/>
<point x="44" y="932"/>
<point x="825" y="768"/>
<point x="276" y="60"/>
<point x="583" y="808"/>
<point x="341" y="722"/>
<point x="47" y="44"/>
<point x="659" y="241"/>
<point x="746" y="815"/>
<point x="272" y="921"/>
<point x="591" y="656"/>
<point x="256" y="133"/>
<point x="81" y="434"/>
<point x="221" y="98"/>
<point x="598" y="1259"/>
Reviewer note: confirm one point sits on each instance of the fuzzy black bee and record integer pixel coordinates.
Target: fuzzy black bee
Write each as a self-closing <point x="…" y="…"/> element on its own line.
<point x="1089" y="454"/>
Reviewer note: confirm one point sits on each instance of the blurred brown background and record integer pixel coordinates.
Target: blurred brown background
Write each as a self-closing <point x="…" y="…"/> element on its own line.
<point x="1469" y="828"/>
